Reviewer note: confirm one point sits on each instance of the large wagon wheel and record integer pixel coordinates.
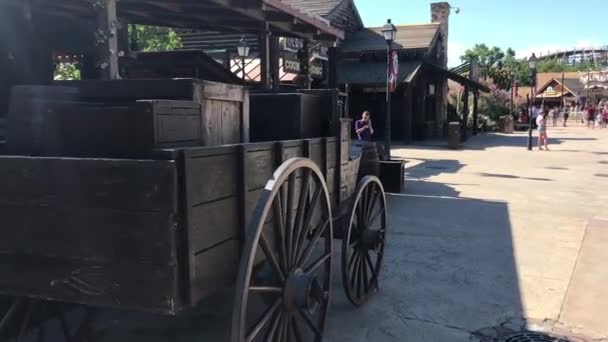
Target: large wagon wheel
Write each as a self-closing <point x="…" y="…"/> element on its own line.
<point x="284" y="280"/>
<point x="363" y="245"/>
<point x="22" y="317"/>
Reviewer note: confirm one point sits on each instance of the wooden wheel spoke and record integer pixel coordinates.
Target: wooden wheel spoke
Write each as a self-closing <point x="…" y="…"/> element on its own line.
<point x="364" y="275"/>
<point x="301" y="210"/>
<point x="372" y="205"/>
<point x="374" y="278"/>
<point x="354" y="244"/>
<point x="351" y="261"/>
<point x="26" y="321"/>
<point x="355" y="271"/>
<point x="307" y="221"/>
<point x="270" y="256"/>
<point x="313" y="267"/>
<point x="373" y="219"/>
<point x="297" y="333"/>
<point x="359" y="275"/>
<point x="9" y="314"/>
<point x="279" y="225"/>
<point x="275" y="325"/>
<point x="309" y="322"/>
<point x="312" y="244"/>
<point x="291" y="189"/>
<point x="263" y="320"/>
<point x="265" y="289"/>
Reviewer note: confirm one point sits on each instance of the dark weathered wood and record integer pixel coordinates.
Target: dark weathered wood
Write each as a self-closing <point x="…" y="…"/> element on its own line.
<point x="245" y="110"/>
<point x="128" y="285"/>
<point x="261" y="164"/>
<point x="215" y="268"/>
<point x="285" y="117"/>
<point x="51" y="128"/>
<point x="213" y="177"/>
<point x="215" y="222"/>
<point x="138" y="185"/>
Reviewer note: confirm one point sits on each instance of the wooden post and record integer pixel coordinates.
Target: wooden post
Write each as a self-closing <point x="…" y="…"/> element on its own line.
<point x="475" y="100"/>
<point x="465" y="114"/>
<point x="274" y="61"/>
<point x="264" y="39"/>
<point x="304" y="65"/>
<point x="332" y="72"/>
<point x="107" y="40"/>
<point x="408" y="114"/>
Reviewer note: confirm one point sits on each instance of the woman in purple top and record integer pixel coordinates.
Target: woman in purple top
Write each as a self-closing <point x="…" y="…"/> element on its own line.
<point x="364" y="128"/>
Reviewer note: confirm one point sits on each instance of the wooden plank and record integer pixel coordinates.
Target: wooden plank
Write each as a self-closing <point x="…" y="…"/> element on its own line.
<point x="132" y="90"/>
<point x="215" y="268"/>
<point x="102" y="235"/>
<point x="221" y="91"/>
<point x="316" y="153"/>
<point x="293" y="151"/>
<point x="261" y="165"/>
<point x="344" y="151"/>
<point x="245" y="126"/>
<point x="332" y="149"/>
<point x="127" y="285"/>
<point x="215" y="222"/>
<point x="213" y="177"/>
<point x="144" y="185"/>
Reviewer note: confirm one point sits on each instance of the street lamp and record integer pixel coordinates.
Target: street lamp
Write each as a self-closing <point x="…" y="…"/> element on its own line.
<point x="532" y="64"/>
<point x="389" y="31"/>
<point x="243" y="52"/>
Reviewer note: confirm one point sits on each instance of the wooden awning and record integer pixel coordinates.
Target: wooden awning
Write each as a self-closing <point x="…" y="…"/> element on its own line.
<point x="242" y="16"/>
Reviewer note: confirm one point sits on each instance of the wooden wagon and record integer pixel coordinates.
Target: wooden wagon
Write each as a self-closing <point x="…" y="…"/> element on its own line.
<point x="151" y="221"/>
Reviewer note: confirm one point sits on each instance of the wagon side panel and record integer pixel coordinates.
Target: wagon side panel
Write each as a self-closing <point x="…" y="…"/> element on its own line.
<point x="90" y="231"/>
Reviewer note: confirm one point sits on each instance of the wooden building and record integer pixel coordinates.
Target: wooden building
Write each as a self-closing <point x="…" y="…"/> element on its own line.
<point x="419" y="104"/>
<point x="33" y="32"/>
<point x="301" y="64"/>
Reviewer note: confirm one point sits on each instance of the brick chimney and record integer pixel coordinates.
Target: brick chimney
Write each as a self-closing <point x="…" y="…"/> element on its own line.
<point x="440" y="13"/>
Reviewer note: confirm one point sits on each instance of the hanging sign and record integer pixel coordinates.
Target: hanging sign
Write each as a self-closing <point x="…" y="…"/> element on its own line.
<point x="394" y="71"/>
<point x="320" y="51"/>
<point x="292" y="44"/>
<point x="316" y="70"/>
<point x="291" y="63"/>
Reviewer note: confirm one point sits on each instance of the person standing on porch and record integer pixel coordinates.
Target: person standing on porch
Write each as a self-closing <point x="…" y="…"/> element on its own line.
<point x="364" y="128"/>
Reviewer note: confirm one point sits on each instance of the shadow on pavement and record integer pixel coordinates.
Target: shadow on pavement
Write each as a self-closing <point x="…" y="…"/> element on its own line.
<point x="497" y="175"/>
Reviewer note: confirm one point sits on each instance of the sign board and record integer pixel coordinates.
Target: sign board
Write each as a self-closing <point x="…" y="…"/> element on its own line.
<point x="316" y="70"/>
<point x="320" y="51"/>
<point x="291" y="63"/>
<point x="292" y="44"/>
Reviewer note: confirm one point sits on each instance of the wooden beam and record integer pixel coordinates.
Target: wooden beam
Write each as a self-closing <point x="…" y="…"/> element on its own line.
<point x="107" y="40"/>
<point x="475" y="101"/>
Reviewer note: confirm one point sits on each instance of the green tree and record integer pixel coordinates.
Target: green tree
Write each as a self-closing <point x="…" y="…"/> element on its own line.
<point x="67" y="72"/>
<point x="154" y="38"/>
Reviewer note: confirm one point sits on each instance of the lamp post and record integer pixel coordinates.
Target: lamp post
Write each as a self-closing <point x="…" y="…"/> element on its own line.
<point x="243" y="52"/>
<point x="389" y="31"/>
<point x="532" y="64"/>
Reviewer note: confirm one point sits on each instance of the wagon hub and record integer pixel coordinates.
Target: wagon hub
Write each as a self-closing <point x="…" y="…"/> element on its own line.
<point x="371" y="239"/>
<point x="302" y="291"/>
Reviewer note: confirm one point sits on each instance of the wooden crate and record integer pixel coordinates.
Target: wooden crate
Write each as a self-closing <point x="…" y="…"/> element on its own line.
<point x="81" y="129"/>
<point x="285" y="117"/>
<point x="224" y="107"/>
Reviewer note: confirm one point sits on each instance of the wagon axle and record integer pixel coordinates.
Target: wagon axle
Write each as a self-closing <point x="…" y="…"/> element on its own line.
<point x="303" y="291"/>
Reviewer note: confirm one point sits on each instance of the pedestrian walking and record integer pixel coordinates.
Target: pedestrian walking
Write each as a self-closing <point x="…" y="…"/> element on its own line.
<point x="566" y="115"/>
<point x="541" y="122"/>
<point x="590" y="115"/>
<point x="555" y="115"/>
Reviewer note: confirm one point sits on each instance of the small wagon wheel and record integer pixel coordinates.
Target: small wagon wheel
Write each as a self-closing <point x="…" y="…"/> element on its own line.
<point x="284" y="280"/>
<point x="21" y="317"/>
<point x="363" y="245"/>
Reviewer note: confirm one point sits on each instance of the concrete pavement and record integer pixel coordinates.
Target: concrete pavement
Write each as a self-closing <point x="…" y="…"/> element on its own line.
<point x="490" y="235"/>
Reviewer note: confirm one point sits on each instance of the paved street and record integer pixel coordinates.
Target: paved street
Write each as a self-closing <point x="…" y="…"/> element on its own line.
<point x="490" y="235"/>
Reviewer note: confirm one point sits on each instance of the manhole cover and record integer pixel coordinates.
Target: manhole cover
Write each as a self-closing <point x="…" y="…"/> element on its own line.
<point x="533" y="337"/>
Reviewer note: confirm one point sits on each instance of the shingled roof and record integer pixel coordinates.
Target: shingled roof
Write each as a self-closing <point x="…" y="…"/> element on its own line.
<point x="320" y="8"/>
<point x="408" y="37"/>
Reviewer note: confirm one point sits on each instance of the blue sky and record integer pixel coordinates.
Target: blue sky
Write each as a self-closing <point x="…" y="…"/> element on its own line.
<point x="525" y="25"/>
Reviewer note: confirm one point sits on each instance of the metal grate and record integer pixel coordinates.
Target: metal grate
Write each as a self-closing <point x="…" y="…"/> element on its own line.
<point x="533" y="337"/>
